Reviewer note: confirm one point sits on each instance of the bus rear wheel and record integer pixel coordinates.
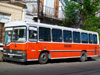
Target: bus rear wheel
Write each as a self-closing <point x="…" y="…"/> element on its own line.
<point x="83" y="57"/>
<point x="43" y="59"/>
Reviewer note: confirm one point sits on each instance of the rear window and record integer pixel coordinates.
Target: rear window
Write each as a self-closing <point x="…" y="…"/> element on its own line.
<point x="94" y="38"/>
<point x="90" y="38"/>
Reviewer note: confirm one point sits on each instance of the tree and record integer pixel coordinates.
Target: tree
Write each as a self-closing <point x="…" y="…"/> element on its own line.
<point x="79" y="12"/>
<point x="71" y="13"/>
<point x="91" y="21"/>
<point x="82" y="14"/>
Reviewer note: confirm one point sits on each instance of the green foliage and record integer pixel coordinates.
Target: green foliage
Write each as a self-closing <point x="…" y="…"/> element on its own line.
<point x="82" y="14"/>
<point x="71" y="13"/>
<point x="91" y="21"/>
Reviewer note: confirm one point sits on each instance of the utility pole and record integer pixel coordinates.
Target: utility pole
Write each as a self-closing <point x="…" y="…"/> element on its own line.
<point x="38" y="2"/>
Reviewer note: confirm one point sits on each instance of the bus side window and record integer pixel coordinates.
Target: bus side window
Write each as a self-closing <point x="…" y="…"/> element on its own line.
<point x="76" y="37"/>
<point x="67" y="36"/>
<point x="90" y="38"/>
<point x="84" y="37"/>
<point x="94" y="38"/>
<point x="57" y="35"/>
<point x="32" y="34"/>
<point x="44" y="34"/>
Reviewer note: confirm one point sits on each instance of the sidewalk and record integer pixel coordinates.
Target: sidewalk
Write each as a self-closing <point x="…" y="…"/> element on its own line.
<point x="1" y="56"/>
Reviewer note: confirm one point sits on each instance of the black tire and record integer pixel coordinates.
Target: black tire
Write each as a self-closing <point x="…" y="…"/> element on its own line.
<point x="83" y="57"/>
<point x="43" y="59"/>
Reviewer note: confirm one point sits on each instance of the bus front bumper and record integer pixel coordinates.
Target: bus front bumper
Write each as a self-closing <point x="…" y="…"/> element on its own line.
<point x="14" y="56"/>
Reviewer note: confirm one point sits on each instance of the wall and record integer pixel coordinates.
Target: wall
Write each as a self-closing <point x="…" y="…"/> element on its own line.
<point x="15" y="12"/>
<point x="53" y="8"/>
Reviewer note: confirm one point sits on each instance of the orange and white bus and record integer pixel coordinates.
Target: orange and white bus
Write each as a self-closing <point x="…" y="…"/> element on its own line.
<point x="26" y="41"/>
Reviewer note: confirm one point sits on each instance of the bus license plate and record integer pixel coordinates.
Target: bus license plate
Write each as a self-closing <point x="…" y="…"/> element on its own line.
<point x="10" y="56"/>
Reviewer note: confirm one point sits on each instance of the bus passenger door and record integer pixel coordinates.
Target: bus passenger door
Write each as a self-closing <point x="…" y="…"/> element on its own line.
<point x="32" y="45"/>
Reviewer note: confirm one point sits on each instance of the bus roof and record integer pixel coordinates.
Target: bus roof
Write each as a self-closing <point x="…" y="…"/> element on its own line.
<point x="24" y="23"/>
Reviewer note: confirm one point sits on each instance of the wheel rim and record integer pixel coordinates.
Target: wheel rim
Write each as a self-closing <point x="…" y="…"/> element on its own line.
<point x="83" y="57"/>
<point x="43" y="57"/>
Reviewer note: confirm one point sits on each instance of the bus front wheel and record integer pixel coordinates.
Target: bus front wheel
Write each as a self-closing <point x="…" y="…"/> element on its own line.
<point x="43" y="59"/>
<point x="83" y="57"/>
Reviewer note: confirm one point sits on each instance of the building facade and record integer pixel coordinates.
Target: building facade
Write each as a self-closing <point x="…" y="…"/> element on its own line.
<point x="47" y="11"/>
<point x="9" y="12"/>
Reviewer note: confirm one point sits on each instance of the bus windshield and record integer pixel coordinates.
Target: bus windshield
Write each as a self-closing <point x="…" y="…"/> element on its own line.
<point x="8" y="36"/>
<point x="19" y="34"/>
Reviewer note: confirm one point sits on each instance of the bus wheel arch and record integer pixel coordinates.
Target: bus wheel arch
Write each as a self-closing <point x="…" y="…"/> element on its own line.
<point x="83" y="56"/>
<point x="44" y="57"/>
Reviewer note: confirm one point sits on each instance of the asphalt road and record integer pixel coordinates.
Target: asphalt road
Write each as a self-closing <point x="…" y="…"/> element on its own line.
<point x="54" y="67"/>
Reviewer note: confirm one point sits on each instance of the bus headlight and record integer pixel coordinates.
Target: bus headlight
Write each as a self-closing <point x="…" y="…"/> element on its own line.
<point x="4" y="50"/>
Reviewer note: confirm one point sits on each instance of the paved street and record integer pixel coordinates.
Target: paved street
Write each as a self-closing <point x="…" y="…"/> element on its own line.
<point x="54" y="67"/>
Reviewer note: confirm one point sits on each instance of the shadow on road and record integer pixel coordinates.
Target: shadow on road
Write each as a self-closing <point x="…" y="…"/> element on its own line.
<point x="71" y="60"/>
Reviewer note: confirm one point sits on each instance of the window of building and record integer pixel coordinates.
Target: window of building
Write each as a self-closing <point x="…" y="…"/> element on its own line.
<point x="67" y="36"/>
<point x="94" y="38"/>
<point x="44" y="34"/>
<point x="90" y="38"/>
<point x="57" y="35"/>
<point x="84" y="37"/>
<point x="76" y="37"/>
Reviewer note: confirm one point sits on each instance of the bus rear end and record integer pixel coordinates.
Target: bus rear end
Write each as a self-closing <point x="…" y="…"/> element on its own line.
<point x="15" y="46"/>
